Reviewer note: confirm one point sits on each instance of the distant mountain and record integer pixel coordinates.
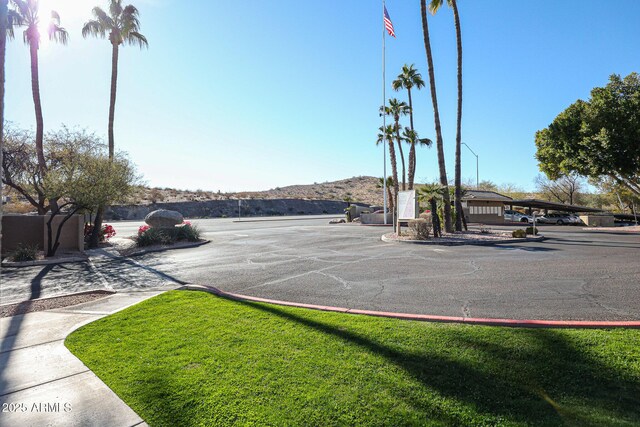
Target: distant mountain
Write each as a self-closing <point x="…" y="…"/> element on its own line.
<point x="357" y="189"/>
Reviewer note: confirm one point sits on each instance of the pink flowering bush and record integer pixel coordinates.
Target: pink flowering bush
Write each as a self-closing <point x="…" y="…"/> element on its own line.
<point x="106" y="232"/>
<point x="148" y="236"/>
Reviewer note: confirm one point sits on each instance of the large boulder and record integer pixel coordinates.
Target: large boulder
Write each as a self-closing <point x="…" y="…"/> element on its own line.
<point x="163" y="218"/>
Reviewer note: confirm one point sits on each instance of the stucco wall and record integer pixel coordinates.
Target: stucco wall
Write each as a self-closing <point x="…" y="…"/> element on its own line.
<point x="31" y="230"/>
<point x="229" y="208"/>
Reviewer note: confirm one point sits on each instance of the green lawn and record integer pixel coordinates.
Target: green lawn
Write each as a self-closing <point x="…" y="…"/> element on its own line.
<point x="189" y="358"/>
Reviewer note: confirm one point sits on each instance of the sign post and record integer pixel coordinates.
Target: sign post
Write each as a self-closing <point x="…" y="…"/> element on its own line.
<point x="407" y="206"/>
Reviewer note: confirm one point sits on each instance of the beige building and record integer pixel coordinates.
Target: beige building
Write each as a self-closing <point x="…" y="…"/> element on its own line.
<point x="486" y="207"/>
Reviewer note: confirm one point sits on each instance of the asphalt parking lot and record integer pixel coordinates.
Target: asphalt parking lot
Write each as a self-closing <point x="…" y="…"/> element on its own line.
<point x="575" y="274"/>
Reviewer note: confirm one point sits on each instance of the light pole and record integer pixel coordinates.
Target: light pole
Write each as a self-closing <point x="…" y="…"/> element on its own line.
<point x="477" y="174"/>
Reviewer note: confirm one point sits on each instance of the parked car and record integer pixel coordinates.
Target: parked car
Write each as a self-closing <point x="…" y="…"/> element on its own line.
<point x="557" y="218"/>
<point x="516" y="216"/>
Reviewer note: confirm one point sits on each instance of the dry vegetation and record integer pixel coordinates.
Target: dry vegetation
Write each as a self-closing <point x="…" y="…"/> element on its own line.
<point x="357" y="189"/>
<point x="363" y="189"/>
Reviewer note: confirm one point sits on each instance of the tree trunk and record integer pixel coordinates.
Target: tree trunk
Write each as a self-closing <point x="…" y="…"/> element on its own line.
<point x="435" y="219"/>
<point x="394" y="167"/>
<point x="3" y="46"/>
<point x="436" y="115"/>
<point x="35" y="91"/>
<point x="94" y="239"/>
<point x="404" y="183"/>
<point x="412" y="149"/>
<point x="112" y="102"/>
<point x="458" y="178"/>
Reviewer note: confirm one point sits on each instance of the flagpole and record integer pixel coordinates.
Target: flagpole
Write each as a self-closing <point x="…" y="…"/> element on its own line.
<point x="384" y="117"/>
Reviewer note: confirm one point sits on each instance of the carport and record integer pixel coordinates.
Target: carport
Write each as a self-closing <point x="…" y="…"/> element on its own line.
<point x="530" y="204"/>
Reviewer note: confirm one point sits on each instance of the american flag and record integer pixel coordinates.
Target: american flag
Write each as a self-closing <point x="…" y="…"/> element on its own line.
<point x="388" y="24"/>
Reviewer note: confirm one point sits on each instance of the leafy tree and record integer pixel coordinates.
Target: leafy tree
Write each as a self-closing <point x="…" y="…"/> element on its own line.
<point x="396" y="109"/>
<point x="565" y="189"/>
<point x="26" y="13"/>
<point x="598" y="138"/>
<point x="120" y="25"/>
<point x="436" y="117"/>
<point x="387" y="134"/>
<point x="433" y="7"/>
<point x="408" y="79"/>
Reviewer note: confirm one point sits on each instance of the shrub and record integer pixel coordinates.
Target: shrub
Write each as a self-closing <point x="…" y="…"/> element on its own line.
<point x="531" y="230"/>
<point x="519" y="234"/>
<point x="420" y="228"/>
<point x="106" y="232"/>
<point x="148" y="236"/>
<point x="24" y="253"/>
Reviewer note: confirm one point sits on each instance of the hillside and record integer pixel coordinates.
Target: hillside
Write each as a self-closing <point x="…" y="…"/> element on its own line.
<point x="357" y="189"/>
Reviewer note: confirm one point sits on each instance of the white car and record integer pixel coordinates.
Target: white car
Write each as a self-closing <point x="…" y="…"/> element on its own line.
<point x="516" y="216"/>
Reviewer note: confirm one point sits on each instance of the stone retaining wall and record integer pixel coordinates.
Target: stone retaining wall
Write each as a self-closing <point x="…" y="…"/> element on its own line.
<point x="229" y="208"/>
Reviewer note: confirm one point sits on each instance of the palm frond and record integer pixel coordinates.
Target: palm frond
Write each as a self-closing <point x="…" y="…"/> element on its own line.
<point x="93" y="28"/>
<point x="135" y="37"/>
<point x="115" y="8"/>
<point x="434" y="6"/>
<point x="58" y="34"/>
<point x="103" y="18"/>
<point x="22" y="8"/>
<point x="13" y="19"/>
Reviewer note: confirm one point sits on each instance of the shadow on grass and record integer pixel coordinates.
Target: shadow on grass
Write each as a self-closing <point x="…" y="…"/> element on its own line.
<point x="511" y="386"/>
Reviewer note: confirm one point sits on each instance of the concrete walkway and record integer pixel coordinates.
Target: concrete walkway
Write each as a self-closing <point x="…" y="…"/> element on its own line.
<point x="43" y="384"/>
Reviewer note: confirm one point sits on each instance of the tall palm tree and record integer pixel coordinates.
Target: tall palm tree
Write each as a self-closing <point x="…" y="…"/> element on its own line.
<point x="26" y="13"/>
<point x="4" y="29"/>
<point x="121" y="25"/>
<point x="387" y="134"/>
<point x="436" y="116"/>
<point x="389" y="187"/>
<point x="407" y="79"/>
<point x="396" y="109"/>
<point x="433" y="8"/>
<point x="411" y="137"/>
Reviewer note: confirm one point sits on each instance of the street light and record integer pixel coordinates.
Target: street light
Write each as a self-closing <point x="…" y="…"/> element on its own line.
<point x="477" y="174"/>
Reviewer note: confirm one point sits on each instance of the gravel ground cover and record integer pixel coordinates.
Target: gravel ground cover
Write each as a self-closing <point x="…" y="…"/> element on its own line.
<point x="51" y="303"/>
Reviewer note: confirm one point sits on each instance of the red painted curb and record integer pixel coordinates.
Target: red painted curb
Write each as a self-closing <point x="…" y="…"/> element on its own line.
<point x="520" y="323"/>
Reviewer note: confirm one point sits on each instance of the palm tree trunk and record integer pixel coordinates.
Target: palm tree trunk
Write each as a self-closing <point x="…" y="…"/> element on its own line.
<point x="434" y="98"/>
<point x="394" y="167"/>
<point x="35" y="91"/>
<point x="112" y="102"/>
<point x="412" y="149"/>
<point x="458" y="179"/>
<point x="3" y="48"/>
<point x="404" y="182"/>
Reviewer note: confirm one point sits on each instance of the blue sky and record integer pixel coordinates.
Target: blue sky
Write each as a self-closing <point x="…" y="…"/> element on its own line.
<point x="250" y="95"/>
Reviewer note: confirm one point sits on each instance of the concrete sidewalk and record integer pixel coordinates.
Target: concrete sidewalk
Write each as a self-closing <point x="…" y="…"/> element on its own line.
<point x="43" y="384"/>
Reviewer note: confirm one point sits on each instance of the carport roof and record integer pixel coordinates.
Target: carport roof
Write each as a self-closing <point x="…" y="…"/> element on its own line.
<point x="485" y="195"/>
<point x="543" y="204"/>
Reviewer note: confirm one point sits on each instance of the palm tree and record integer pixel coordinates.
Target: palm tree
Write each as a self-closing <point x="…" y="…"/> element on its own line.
<point x="433" y="8"/>
<point x="387" y="134"/>
<point x="411" y="137"/>
<point x="407" y="79"/>
<point x="4" y="29"/>
<point x="436" y="116"/>
<point x="396" y="109"/>
<point x="389" y="186"/>
<point x="122" y="26"/>
<point x="26" y="13"/>
<point x="432" y="193"/>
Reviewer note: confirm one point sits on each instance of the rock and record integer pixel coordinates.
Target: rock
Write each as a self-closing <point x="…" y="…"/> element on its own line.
<point x="163" y="218"/>
<point x="337" y="221"/>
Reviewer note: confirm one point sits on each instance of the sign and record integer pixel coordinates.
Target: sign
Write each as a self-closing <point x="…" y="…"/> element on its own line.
<point x="407" y="205"/>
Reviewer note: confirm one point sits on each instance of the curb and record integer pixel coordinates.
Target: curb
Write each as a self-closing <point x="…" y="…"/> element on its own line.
<point x="18" y="264"/>
<point x="285" y="219"/>
<point x="539" y="238"/>
<point x="168" y="248"/>
<point x="515" y="323"/>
